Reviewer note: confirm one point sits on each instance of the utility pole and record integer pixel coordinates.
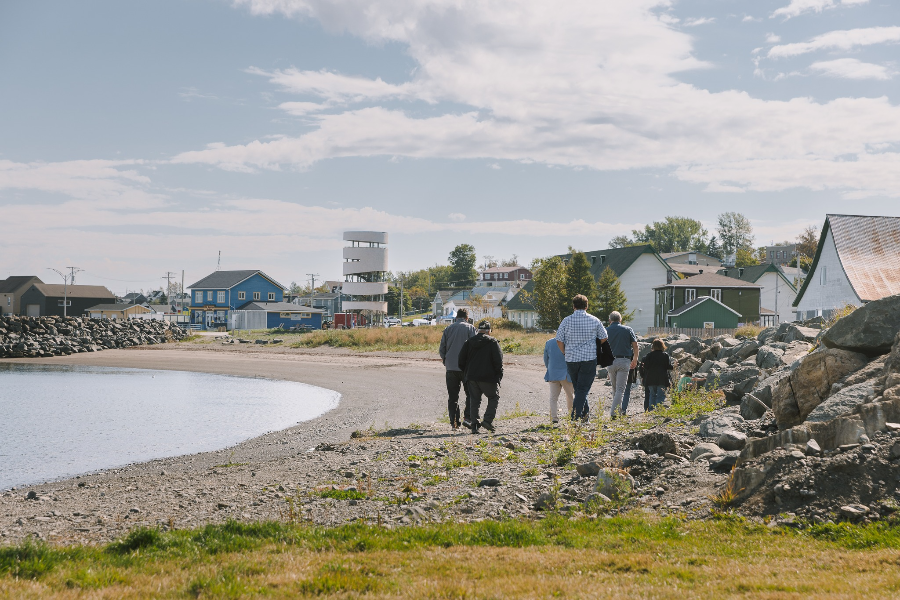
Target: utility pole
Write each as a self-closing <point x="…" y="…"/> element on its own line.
<point x="66" y="280"/>
<point x="168" y="277"/>
<point x="312" y="286"/>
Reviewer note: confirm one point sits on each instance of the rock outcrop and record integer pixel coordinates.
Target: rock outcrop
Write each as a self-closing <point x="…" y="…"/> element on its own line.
<point x="869" y="330"/>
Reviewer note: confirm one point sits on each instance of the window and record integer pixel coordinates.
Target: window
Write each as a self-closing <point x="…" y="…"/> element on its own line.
<point x="242" y="295"/>
<point x="9" y="300"/>
<point x="198" y="297"/>
<point x="209" y="296"/>
<point x="716" y="295"/>
<point x="220" y="297"/>
<point x="256" y="295"/>
<point x="521" y="275"/>
<point x="690" y="295"/>
<point x="823" y="276"/>
<point x="60" y="303"/>
<point x="271" y="295"/>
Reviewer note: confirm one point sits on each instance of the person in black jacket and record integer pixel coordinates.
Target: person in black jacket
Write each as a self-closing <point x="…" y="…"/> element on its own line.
<point x="656" y="367"/>
<point x="481" y="361"/>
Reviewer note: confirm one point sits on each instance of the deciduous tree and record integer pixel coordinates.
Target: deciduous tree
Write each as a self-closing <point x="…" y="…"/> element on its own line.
<point x="549" y="295"/>
<point x="462" y="260"/>
<point x="673" y="234"/>
<point x="808" y="241"/>
<point x="736" y="232"/>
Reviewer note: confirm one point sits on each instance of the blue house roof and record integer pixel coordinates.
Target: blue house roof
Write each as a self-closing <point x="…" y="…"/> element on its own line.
<point x="224" y="280"/>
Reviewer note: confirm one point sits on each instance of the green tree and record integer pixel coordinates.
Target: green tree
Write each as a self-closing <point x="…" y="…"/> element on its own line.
<point x="610" y="297"/>
<point x="512" y="261"/>
<point x="621" y="241"/>
<point x="393" y="301"/>
<point x="674" y="234"/>
<point x="808" y="241"/>
<point x="549" y="297"/>
<point x="805" y="263"/>
<point x="745" y="258"/>
<point x="463" y="261"/>
<point x="736" y="232"/>
<point x="579" y="279"/>
<point x="713" y="248"/>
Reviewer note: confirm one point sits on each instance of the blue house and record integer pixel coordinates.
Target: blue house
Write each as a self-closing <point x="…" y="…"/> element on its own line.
<point x="216" y="295"/>
<point x="287" y="315"/>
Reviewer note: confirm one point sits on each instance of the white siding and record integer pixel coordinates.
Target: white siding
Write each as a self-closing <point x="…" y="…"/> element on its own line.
<point x="837" y="290"/>
<point x="771" y="282"/>
<point x="646" y="273"/>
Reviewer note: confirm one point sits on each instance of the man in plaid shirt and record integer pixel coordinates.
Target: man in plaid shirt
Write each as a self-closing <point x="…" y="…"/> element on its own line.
<point x="577" y="339"/>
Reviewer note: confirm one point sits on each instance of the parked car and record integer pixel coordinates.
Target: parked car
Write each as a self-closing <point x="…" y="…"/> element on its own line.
<point x="391" y="322"/>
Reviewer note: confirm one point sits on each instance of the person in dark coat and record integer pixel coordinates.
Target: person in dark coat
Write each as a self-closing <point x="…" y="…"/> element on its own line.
<point x="481" y="361"/>
<point x="656" y="367"/>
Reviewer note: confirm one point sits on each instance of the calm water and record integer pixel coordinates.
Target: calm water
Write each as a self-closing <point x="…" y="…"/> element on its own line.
<point x="58" y="421"/>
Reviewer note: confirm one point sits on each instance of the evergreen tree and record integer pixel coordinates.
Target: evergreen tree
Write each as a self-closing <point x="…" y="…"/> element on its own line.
<point x="610" y="297"/>
<point x="713" y="248"/>
<point x="549" y="296"/>
<point x="579" y="279"/>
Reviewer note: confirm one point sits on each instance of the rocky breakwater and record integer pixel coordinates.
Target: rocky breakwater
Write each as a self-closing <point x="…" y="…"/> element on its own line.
<point x="33" y="337"/>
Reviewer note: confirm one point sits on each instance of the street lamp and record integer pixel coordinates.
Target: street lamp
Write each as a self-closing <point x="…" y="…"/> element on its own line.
<point x="66" y="279"/>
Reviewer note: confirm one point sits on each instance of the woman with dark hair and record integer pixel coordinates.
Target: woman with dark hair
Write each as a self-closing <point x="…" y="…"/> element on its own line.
<point x="656" y="367"/>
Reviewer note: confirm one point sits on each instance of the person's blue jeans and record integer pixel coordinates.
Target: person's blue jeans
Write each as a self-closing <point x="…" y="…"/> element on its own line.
<point x="657" y="395"/>
<point x="582" y="375"/>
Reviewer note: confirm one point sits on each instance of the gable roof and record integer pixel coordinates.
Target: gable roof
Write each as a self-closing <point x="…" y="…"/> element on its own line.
<point x="503" y="269"/>
<point x="229" y="279"/>
<point x="754" y="273"/>
<point x="869" y="250"/>
<point x="279" y="307"/>
<point x="115" y="307"/>
<point x="697" y="302"/>
<point x="15" y="282"/>
<point x="58" y="290"/>
<point x="444" y="295"/>
<point x="710" y="280"/>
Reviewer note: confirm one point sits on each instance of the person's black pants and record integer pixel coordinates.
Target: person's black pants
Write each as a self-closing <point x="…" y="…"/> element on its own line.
<point x="489" y="389"/>
<point x="454" y="381"/>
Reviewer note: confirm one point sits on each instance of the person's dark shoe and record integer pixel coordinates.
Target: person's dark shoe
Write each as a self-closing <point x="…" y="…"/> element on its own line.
<point x="467" y="424"/>
<point x="488" y="426"/>
<point x="474" y="427"/>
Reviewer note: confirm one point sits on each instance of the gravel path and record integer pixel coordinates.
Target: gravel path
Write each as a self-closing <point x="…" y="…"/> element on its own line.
<point x="251" y="481"/>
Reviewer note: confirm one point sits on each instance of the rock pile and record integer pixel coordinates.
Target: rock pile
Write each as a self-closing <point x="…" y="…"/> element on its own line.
<point x="31" y="337"/>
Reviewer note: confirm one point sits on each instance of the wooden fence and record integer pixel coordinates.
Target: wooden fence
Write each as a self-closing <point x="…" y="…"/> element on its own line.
<point x="699" y="332"/>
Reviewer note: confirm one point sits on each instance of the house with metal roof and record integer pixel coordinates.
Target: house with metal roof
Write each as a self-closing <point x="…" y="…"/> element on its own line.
<point x="214" y="297"/>
<point x="857" y="261"/>
<point x="639" y="269"/>
<point x="778" y="291"/>
<point x="57" y="299"/>
<point x="740" y="296"/>
<point x="11" y="290"/>
<point x="279" y="314"/>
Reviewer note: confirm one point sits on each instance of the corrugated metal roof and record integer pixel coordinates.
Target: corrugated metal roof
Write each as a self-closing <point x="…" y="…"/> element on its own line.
<point x="869" y="249"/>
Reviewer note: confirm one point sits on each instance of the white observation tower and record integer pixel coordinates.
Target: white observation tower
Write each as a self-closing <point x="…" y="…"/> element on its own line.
<point x="365" y="271"/>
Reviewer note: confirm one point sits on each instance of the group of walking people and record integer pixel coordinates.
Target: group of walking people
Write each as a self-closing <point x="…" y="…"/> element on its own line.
<point x="474" y="363"/>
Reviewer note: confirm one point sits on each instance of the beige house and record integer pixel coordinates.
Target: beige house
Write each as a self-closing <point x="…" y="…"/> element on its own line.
<point x="116" y="312"/>
<point x="11" y="290"/>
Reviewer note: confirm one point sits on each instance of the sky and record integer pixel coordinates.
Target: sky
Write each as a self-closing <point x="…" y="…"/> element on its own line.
<point x="140" y="138"/>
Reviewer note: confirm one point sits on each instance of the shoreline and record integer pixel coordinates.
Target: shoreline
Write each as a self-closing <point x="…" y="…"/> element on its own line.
<point x="377" y="390"/>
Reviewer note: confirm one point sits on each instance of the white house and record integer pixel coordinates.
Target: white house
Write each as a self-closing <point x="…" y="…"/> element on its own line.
<point x="857" y="261"/>
<point x="639" y="269"/>
<point x="480" y="302"/>
<point x="777" y="293"/>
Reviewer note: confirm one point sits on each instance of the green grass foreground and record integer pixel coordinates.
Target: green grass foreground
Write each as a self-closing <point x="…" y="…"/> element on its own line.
<point x="637" y="554"/>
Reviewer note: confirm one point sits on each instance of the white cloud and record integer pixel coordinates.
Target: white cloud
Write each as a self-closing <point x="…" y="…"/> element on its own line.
<point x="301" y="109"/>
<point x="850" y="68"/>
<point x="773" y="39"/>
<point x="847" y="39"/>
<point x="699" y="21"/>
<point x="551" y="84"/>
<point x="456" y="217"/>
<point x="797" y="7"/>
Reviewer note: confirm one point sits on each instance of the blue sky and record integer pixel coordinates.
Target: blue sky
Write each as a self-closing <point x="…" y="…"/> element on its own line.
<point x="140" y="138"/>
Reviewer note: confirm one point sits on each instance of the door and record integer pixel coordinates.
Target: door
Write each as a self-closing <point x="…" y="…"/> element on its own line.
<point x="33" y="310"/>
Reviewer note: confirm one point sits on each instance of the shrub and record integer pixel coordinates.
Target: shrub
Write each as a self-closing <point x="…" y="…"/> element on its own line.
<point x="748" y="331"/>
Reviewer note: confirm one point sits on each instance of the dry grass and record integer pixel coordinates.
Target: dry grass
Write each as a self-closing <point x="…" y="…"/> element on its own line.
<point x="748" y="331"/>
<point x="838" y="314"/>
<point x="613" y="558"/>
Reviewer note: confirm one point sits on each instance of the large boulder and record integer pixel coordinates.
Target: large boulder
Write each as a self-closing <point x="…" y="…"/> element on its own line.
<point x="795" y="333"/>
<point x="795" y="350"/>
<point x="752" y="408"/>
<point x="688" y="364"/>
<point x="720" y="422"/>
<point x="691" y="346"/>
<point x="742" y="352"/>
<point x="869" y="330"/>
<point x="842" y="402"/>
<point x="810" y="384"/>
<point x="657" y="443"/>
<point x="767" y="335"/>
<point x="737" y="374"/>
<point x="769" y="357"/>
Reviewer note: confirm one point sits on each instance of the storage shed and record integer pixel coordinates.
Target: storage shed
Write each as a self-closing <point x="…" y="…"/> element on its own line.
<point x="285" y="314"/>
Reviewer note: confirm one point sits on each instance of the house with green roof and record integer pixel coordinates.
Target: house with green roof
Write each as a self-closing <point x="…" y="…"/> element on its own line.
<point x="778" y="292"/>
<point x="639" y="269"/>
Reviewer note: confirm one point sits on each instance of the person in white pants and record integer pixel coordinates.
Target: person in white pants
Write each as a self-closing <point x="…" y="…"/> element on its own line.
<point x="558" y="377"/>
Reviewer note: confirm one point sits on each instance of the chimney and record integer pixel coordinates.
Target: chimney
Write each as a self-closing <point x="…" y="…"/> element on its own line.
<point x="669" y="276"/>
<point x="725" y="272"/>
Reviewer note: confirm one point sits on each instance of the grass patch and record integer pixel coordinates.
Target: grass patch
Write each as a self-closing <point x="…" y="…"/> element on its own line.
<point x="342" y="494"/>
<point x="634" y="555"/>
<point x="516" y="413"/>
<point x="688" y="404"/>
<point x="748" y="331"/>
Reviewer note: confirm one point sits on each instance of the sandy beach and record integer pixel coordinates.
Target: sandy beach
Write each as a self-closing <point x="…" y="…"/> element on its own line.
<point x="378" y="390"/>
